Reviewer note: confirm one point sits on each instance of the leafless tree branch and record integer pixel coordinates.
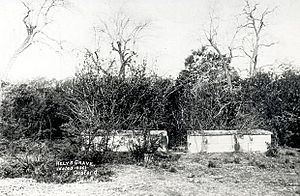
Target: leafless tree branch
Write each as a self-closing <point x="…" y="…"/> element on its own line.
<point x="256" y="23"/>
<point x="225" y="59"/>
<point x="122" y="33"/>
<point x="41" y="16"/>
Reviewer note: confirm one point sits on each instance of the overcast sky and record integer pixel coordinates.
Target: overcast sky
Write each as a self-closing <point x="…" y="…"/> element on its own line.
<point x="177" y="27"/>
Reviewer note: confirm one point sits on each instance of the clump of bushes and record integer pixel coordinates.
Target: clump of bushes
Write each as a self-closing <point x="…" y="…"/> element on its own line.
<point x="237" y="160"/>
<point x="173" y="169"/>
<point x="273" y="150"/>
<point x="11" y="168"/>
<point x="291" y="153"/>
<point x="44" y="121"/>
<point x="212" y="164"/>
<point x="38" y="161"/>
<point x="46" y="171"/>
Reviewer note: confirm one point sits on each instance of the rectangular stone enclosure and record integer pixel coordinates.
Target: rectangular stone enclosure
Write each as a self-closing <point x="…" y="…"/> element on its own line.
<point x="228" y="141"/>
<point x="123" y="140"/>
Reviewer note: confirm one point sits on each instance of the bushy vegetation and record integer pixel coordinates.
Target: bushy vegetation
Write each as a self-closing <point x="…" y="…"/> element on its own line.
<point x="45" y="121"/>
<point x="64" y="117"/>
<point x="266" y="101"/>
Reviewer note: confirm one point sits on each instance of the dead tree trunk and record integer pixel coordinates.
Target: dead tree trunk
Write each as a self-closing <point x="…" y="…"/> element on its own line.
<point x="123" y="33"/>
<point x="255" y="23"/>
<point x="35" y="20"/>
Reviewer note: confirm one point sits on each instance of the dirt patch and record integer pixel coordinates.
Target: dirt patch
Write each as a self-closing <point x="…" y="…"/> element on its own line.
<point x="250" y="174"/>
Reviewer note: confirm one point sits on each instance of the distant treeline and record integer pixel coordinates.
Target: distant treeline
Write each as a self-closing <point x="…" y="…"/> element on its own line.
<point x="198" y="99"/>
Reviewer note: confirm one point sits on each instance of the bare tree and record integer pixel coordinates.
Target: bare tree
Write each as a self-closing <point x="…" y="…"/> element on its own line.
<point x="255" y="24"/>
<point x="122" y="33"/>
<point x="35" y="21"/>
<point x="225" y="57"/>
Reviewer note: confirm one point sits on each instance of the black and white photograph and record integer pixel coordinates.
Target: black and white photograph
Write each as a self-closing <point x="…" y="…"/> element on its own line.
<point x="149" y="97"/>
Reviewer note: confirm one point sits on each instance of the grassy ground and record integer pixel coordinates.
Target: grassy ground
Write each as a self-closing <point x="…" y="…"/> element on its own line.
<point x="192" y="174"/>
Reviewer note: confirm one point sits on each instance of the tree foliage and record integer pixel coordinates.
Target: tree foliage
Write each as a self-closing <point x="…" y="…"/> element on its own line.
<point x="91" y="104"/>
<point x="101" y="105"/>
<point x="34" y="110"/>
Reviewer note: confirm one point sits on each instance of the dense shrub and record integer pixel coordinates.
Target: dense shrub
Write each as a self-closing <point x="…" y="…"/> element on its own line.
<point x="54" y="110"/>
<point x="38" y="161"/>
<point x="44" y="121"/>
<point x="276" y="101"/>
<point x="33" y="110"/>
<point x="11" y="168"/>
<point x="273" y="150"/>
<point x="264" y="101"/>
<point x="147" y="146"/>
<point x="212" y="164"/>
